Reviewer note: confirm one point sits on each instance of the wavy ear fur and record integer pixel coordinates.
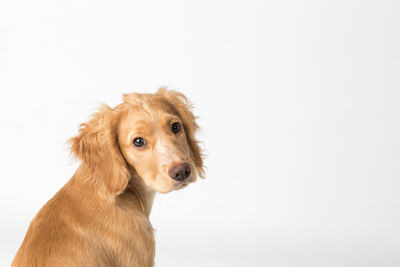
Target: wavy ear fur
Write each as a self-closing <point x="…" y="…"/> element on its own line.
<point x="184" y="108"/>
<point x="97" y="147"/>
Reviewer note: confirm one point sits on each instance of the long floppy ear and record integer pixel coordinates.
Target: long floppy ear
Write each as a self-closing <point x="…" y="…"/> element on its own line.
<point x="184" y="107"/>
<point x="97" y="147"/>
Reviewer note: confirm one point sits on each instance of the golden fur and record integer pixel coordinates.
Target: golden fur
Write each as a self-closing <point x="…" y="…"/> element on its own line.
<point x="101" y="216"/>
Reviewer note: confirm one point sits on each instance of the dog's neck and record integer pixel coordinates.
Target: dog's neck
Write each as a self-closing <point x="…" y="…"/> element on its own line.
<point x="142" y="194"/>
<point x="136" y="195"/>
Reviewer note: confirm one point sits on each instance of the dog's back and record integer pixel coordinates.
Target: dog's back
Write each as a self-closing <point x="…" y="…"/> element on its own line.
<point x="75" y="228"/>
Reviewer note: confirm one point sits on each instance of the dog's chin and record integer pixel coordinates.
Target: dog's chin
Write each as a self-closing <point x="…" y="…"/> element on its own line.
<point x="175" y="186"/>
<point x="181" y="185"/>
<point x="165" y="185"/>
<point x="168" y="188"/>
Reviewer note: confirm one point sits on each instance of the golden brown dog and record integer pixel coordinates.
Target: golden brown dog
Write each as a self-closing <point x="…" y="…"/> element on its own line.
<point x="101" y="216"/>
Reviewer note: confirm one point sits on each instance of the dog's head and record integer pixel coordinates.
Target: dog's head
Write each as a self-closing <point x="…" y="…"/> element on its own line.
<point x="151" y="136"/>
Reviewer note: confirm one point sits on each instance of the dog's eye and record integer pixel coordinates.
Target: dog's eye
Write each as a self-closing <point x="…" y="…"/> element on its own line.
<point x="139" y="142"/>
<point x="176" y="127"/>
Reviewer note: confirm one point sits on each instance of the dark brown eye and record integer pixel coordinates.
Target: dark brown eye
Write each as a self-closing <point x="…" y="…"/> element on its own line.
<point x="176" y="127"/>
<point x="139" y="142"/>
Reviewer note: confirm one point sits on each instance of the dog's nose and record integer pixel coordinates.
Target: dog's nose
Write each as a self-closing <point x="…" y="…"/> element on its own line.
<point x="180" y="172"/>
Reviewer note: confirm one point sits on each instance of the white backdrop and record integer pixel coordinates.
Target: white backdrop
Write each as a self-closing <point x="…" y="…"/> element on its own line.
<point x="298" y="102"/>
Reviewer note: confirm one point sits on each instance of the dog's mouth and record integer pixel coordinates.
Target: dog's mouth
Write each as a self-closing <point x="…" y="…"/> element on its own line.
<point x="182" y="184"/>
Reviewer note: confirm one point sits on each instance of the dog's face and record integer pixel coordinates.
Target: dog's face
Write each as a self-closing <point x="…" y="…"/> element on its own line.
<point x="153" y="140"/>
<point x="151" y="134"/>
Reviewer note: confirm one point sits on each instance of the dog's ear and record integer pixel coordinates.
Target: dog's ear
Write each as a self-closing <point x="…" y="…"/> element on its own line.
<point x="97" y="147"/>
<point x="184" y="108"/>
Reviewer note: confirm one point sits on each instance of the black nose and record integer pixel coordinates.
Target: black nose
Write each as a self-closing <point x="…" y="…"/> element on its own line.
<point x="180" y="172"/>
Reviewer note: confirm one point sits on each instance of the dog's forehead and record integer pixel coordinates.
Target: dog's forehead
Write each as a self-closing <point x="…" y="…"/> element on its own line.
<point x="147" y="114"/>
<point x="149" y="104"/>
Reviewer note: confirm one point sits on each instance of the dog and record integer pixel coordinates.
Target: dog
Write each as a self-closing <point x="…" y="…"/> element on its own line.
<point x="128" y="153"/>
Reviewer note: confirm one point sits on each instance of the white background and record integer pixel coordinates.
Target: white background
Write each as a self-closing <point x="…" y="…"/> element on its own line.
<point x="298" y="103"/>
